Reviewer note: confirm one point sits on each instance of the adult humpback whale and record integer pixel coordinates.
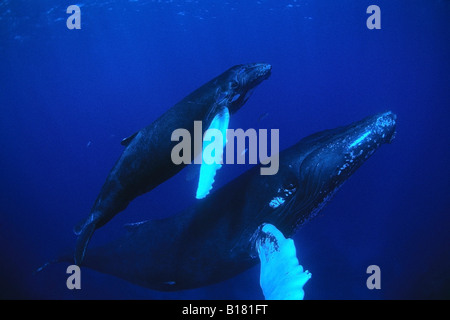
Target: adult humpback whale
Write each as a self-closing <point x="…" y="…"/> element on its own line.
<point x="221" y="236"/>
<point x="146" y="161"/>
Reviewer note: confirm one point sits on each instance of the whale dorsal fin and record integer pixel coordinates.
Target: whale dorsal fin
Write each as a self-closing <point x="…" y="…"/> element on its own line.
<point x="281" y="277"/>
<point x="126" y="141"/>
<point x="209" y="165"/>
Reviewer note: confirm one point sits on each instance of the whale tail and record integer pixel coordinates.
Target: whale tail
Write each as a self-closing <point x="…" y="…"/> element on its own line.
<point x="84" y="230"/>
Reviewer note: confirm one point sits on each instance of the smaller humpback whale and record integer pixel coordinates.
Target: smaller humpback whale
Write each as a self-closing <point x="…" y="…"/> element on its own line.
<point x="146" y="161"/>
<point x="247" y="220"/>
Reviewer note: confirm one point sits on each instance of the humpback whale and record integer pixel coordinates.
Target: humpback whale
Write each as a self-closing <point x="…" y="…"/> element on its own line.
<point x="146" y="161"/>
<point x="227" y="232"/>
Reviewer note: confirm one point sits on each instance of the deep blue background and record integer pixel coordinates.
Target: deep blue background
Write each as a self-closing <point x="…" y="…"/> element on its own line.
<point x="68" y="97"/>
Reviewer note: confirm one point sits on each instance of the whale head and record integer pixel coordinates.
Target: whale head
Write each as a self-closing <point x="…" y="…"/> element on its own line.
<point x="241" y="80"/>
<point x="315" y="168"/>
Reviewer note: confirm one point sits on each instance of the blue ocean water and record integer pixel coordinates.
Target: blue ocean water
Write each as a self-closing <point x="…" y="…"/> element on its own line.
<point x="68" y="97"/>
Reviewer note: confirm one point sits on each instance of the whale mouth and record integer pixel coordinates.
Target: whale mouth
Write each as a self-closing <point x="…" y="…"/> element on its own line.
<point x="257" y="73"/>
<point x="386" y="124"/>
<point x="263" y="71"/>
<point x="359" y="141"/>
<point x="369" y="133"/>
<point x="245" y="79"/>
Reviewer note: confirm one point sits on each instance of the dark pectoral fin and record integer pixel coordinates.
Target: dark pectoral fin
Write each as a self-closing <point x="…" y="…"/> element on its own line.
<point x="126" y="141"/>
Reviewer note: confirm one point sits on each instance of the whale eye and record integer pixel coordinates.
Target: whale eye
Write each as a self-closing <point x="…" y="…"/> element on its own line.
<point x="234" y="85"/>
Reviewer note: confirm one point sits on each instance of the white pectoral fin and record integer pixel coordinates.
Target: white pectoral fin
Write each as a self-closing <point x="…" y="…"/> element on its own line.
<point x="282" y="277"/>
<point x="214" y="141"/>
